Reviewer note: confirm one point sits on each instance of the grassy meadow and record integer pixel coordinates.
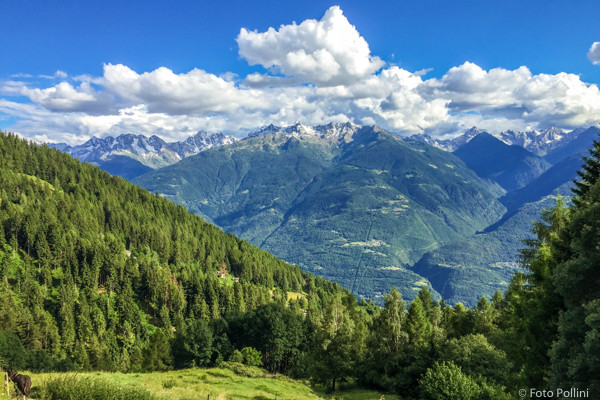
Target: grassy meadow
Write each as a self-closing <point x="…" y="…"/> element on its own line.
<point x="234" y="381"/>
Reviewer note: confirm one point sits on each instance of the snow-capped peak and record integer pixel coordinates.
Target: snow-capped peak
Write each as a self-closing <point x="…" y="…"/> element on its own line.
<point x="151" y="151"/>
<point x="539" y="142"/>
<point x="326" y="131"/>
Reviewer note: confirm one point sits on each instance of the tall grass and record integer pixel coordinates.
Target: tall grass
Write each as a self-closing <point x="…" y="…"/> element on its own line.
<point x="73" y="387"/>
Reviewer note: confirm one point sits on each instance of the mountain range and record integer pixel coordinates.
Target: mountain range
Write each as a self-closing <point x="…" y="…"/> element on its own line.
<point x="131" y="155"/>
<point x="537" y="142"/>
<point x="361" y="206"/>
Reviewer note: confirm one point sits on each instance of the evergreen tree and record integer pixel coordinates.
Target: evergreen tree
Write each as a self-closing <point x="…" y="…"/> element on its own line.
<point x="194" y="347"/>
<point x="577" y="281"/>
<point x="589" y="173"/>
<point x="418" y="325"/>
<point x="157" y="356"/>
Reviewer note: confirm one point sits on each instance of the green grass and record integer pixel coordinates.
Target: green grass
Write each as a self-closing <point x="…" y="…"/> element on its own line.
<point x="233" y="382"/>
<point x="73" y="387"/>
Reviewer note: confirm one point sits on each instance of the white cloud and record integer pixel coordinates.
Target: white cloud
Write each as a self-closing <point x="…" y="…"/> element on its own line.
<point x="329" y="51"/>
<point x="65" y="97"/>
<point x="195" y="92"/>
<point x="544" y="100"/>
<point x="12" y="88"/>
<point x="21" y="75"/>
<point x="57" y="75"/>
<point x="470" y="87"/>
<point x="594" y="53"/>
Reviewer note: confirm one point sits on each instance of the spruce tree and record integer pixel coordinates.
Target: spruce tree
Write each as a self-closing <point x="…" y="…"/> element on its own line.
<point x="574" y="357"/>
<point x="589" y="173"/>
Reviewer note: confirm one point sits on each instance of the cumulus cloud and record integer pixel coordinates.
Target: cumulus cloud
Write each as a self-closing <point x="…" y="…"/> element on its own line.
<point x="195" y="92"/>
<point x="65" y="97"/>
<point x="545" y="100"/>
<point x="469" y="86"/>
<point x="328" y="51"/>
<point x="325" y="72"/>
<point x="38" y="123"/>
<point x="594" y="53"/>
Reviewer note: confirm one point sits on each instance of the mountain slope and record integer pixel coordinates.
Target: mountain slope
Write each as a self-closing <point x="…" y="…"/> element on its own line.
<point x="92" y="266"/>
<point x="353" y="204"/>
<point x="123" y="166"/>
<point x="482" y="263"/>
<point x="510" y="166"/>
<point x="556" y="180"/>
<point x="456" y="269"/>
<point x="580" y="144"/>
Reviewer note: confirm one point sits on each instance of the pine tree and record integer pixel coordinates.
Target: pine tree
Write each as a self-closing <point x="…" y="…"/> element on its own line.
<point x="589" y="173"/>
<point x="157" y="356"/>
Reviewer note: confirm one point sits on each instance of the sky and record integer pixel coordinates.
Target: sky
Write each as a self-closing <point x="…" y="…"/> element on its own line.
<point x="71" y="70"/>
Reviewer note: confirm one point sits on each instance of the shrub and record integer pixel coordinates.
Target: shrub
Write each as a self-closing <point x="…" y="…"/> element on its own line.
<point x="476" y="356"/>
<point x="236" y="356"/>
<point x="252" y="356"/>
<point x="446" y="381"/>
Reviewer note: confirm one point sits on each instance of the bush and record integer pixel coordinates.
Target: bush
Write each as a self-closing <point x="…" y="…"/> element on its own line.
<point x="476" y="356"/>
<point x="252" y="357"/>
<point x="72" y="387"/>
<point x="236" y="356"/>
<point x="446" y="381"/>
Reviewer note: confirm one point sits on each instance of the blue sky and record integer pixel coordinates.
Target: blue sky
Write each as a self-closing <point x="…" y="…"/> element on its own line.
<point x="75" y="69"/>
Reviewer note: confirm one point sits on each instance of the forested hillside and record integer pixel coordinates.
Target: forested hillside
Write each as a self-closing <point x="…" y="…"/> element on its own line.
<point x="94" y="270"/>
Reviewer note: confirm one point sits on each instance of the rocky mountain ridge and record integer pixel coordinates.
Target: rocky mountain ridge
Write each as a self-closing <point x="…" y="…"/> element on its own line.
<point x="151" y="151"/>
<point x="539" y="142"/>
